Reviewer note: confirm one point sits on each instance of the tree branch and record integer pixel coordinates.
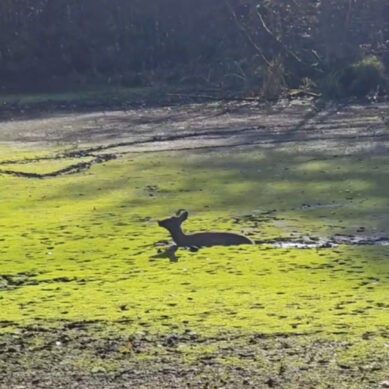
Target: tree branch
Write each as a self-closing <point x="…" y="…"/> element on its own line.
<point x="271" y="34"/>
<point x="246" y="33"/>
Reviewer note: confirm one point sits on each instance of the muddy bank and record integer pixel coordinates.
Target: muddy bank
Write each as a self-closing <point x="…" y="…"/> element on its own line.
<point x="73" y="357"/>
<point x="208" y="125"/>
<point x="331" y="130"/>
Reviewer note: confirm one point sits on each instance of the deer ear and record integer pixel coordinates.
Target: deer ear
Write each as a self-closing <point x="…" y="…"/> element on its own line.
<point x="183" y="216"/>
<point x="180" y="211"/>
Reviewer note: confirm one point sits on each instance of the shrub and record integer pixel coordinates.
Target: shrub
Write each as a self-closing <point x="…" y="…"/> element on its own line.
<point x="307" y="84"/>
<point x="364" y="76"/>
<point x="357" y="79"/>
<point x="331" y="86"/>
<point x="273" y="83"/>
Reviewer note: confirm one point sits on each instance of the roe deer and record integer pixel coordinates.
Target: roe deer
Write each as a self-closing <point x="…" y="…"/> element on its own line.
<point x="201" y="239"/>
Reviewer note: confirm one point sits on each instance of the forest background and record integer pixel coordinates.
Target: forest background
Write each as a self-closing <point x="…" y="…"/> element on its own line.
<point x="336" y="48"/>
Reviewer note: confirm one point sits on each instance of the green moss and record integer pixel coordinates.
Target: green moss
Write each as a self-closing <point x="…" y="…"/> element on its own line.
<point x="363" y="353"/>
<point x="21" y="155"/>
<point x="82" y="247"/>
<point x="92" y="364"/>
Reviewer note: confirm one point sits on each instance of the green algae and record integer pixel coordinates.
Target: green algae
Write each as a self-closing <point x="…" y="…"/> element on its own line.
<point x="83" y="247"/>
<point x="22" y="155"/>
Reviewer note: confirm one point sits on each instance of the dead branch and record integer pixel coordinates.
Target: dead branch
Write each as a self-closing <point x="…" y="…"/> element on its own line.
<point x="277" y="40"/>
<point x="246" y="33"/>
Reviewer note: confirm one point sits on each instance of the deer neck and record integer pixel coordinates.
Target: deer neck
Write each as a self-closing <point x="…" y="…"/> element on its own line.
<point x="178" y="236"/>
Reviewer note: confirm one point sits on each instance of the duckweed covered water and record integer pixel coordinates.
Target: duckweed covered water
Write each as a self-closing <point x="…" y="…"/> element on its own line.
<point x="85" y="246"/>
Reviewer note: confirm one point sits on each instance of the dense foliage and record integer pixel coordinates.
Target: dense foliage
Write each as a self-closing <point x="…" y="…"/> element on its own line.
<point x="259" y="46"/>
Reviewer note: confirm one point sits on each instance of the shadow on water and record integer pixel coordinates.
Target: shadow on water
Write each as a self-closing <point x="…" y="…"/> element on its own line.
<point x="311" y="186"/>
<point x="280" y="197"/>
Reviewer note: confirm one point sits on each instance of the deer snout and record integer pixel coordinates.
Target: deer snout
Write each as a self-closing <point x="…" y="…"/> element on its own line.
<point x="162" y="223"/>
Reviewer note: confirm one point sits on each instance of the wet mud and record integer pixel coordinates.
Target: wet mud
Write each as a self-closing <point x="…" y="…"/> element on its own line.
<point x="80" y="359"/>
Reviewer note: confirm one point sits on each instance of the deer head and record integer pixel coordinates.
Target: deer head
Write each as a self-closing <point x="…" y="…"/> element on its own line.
<point x="174" y="223"/>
